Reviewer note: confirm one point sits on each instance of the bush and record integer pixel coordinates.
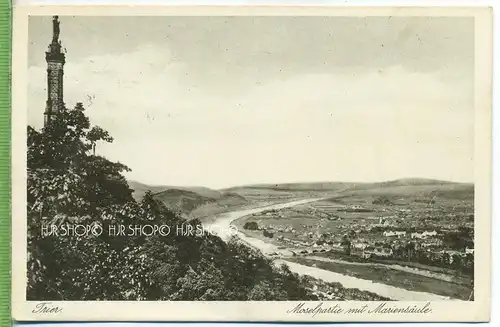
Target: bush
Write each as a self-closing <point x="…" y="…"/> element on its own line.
<point x="267" y="234"/>
<point x="251" y="225"/>
<point x="382" y="200"/>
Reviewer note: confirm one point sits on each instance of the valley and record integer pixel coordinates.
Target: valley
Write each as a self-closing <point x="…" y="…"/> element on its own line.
<point x="409" y="235"/>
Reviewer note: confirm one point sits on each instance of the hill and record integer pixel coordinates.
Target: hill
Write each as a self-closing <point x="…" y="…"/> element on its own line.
<point x="401" y="182"/>
<point x="193" y="204"/>
<point x="411" y="187"/>
<point x="288" y="191"/>
<point x="190" y="201"/>
<point x="198" y="201"/>
<point x="310" y="189"/>
<point x="140" y="189"/>
<point x="445" y="191"/>
<point x="182" y="201"/>
<point x="311" y="186"/>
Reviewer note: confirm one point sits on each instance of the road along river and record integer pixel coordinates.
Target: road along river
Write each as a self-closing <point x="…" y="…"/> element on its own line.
<point x="222" y="227"/>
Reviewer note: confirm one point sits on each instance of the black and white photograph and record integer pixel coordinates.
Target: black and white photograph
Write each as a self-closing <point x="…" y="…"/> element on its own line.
<point x="325" y="162"/>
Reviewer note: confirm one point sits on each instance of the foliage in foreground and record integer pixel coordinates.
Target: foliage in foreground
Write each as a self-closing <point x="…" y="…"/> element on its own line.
<point x="69" y="185"/>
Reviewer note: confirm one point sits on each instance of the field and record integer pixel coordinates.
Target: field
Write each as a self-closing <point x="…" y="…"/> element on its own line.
<point x="418" y="206"/>
<point x="457" y="276"/>
<point x="346" y="208"/>
<point x="407" y="203"/>
<point x="364" y="211"/>
<point x="394" y="278"/>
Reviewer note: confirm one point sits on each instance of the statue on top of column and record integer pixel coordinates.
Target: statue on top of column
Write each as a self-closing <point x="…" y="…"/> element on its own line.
<point x="55" y="29"/>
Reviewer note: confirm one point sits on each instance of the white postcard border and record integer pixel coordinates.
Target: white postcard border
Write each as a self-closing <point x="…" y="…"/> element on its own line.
<point x="449" y="311"/>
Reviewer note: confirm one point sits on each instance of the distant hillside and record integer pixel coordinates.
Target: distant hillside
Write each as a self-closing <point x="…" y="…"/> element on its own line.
<point x="140" y="189"/>
<point x="402" y="190"/>
<point x="413" y="185"/>
<point x="336" y="186"/>
<point x="417" y="181"/>
<point x="192" y="201"/>
<point x="226" y="202"/>
<point x="183" y="201"/>
<point x="293" y="190"/>
<point x="203" y="201"/>
<point x="192" y="204"/>
<point x="314" y="186"/>
<point x="401" y="182"/>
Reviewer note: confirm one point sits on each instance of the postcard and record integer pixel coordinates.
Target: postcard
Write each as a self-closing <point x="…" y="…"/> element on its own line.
<point x="251" y="163"/>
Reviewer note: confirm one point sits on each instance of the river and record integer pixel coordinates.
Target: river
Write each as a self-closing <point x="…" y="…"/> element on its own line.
<point x="221" y="225"/>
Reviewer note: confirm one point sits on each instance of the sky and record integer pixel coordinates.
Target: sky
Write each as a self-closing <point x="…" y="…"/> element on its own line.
<point x="225" y="101"/>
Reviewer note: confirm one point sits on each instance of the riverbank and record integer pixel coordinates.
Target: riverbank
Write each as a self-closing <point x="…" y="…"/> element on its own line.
<point x="390" y="277"/>
<point x="387" y="291"/>
<point x="446" y="275"/>
<point x="408" y="278"/>
<point x="224" y="221"/>
<point x="413" y="278"/>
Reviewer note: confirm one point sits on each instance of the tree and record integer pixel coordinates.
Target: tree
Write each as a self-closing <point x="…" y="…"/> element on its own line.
<point x="251" y="225"/>
<point x="410" y="250"/>
<point x="264" y="291"/>
<point x="98" y="134"/>
<point x="446" y="259"/>
<point x="204" y="283"/>
<point x="346" y="244"/>
<point x="351" y="234"/>
<point x="267" y="234"/>
<point x="382" y="200"/>
<point x="69" y="184"/>
<point x="457" y="262"/>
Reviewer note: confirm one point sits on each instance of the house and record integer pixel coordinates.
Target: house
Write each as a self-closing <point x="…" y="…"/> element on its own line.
<point x="422" y="235"/>
<point x="368" y="252"/>
<point x="366" y="255"/>
<point x="416" y="235"/>
<point x="359" y="246"/>
<point x="382" y="251"/>
<point x="428" y="234"/>
<point x="394" y="233"/>
<point x="337" y="245"/>
<point x="452" y="254"/>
